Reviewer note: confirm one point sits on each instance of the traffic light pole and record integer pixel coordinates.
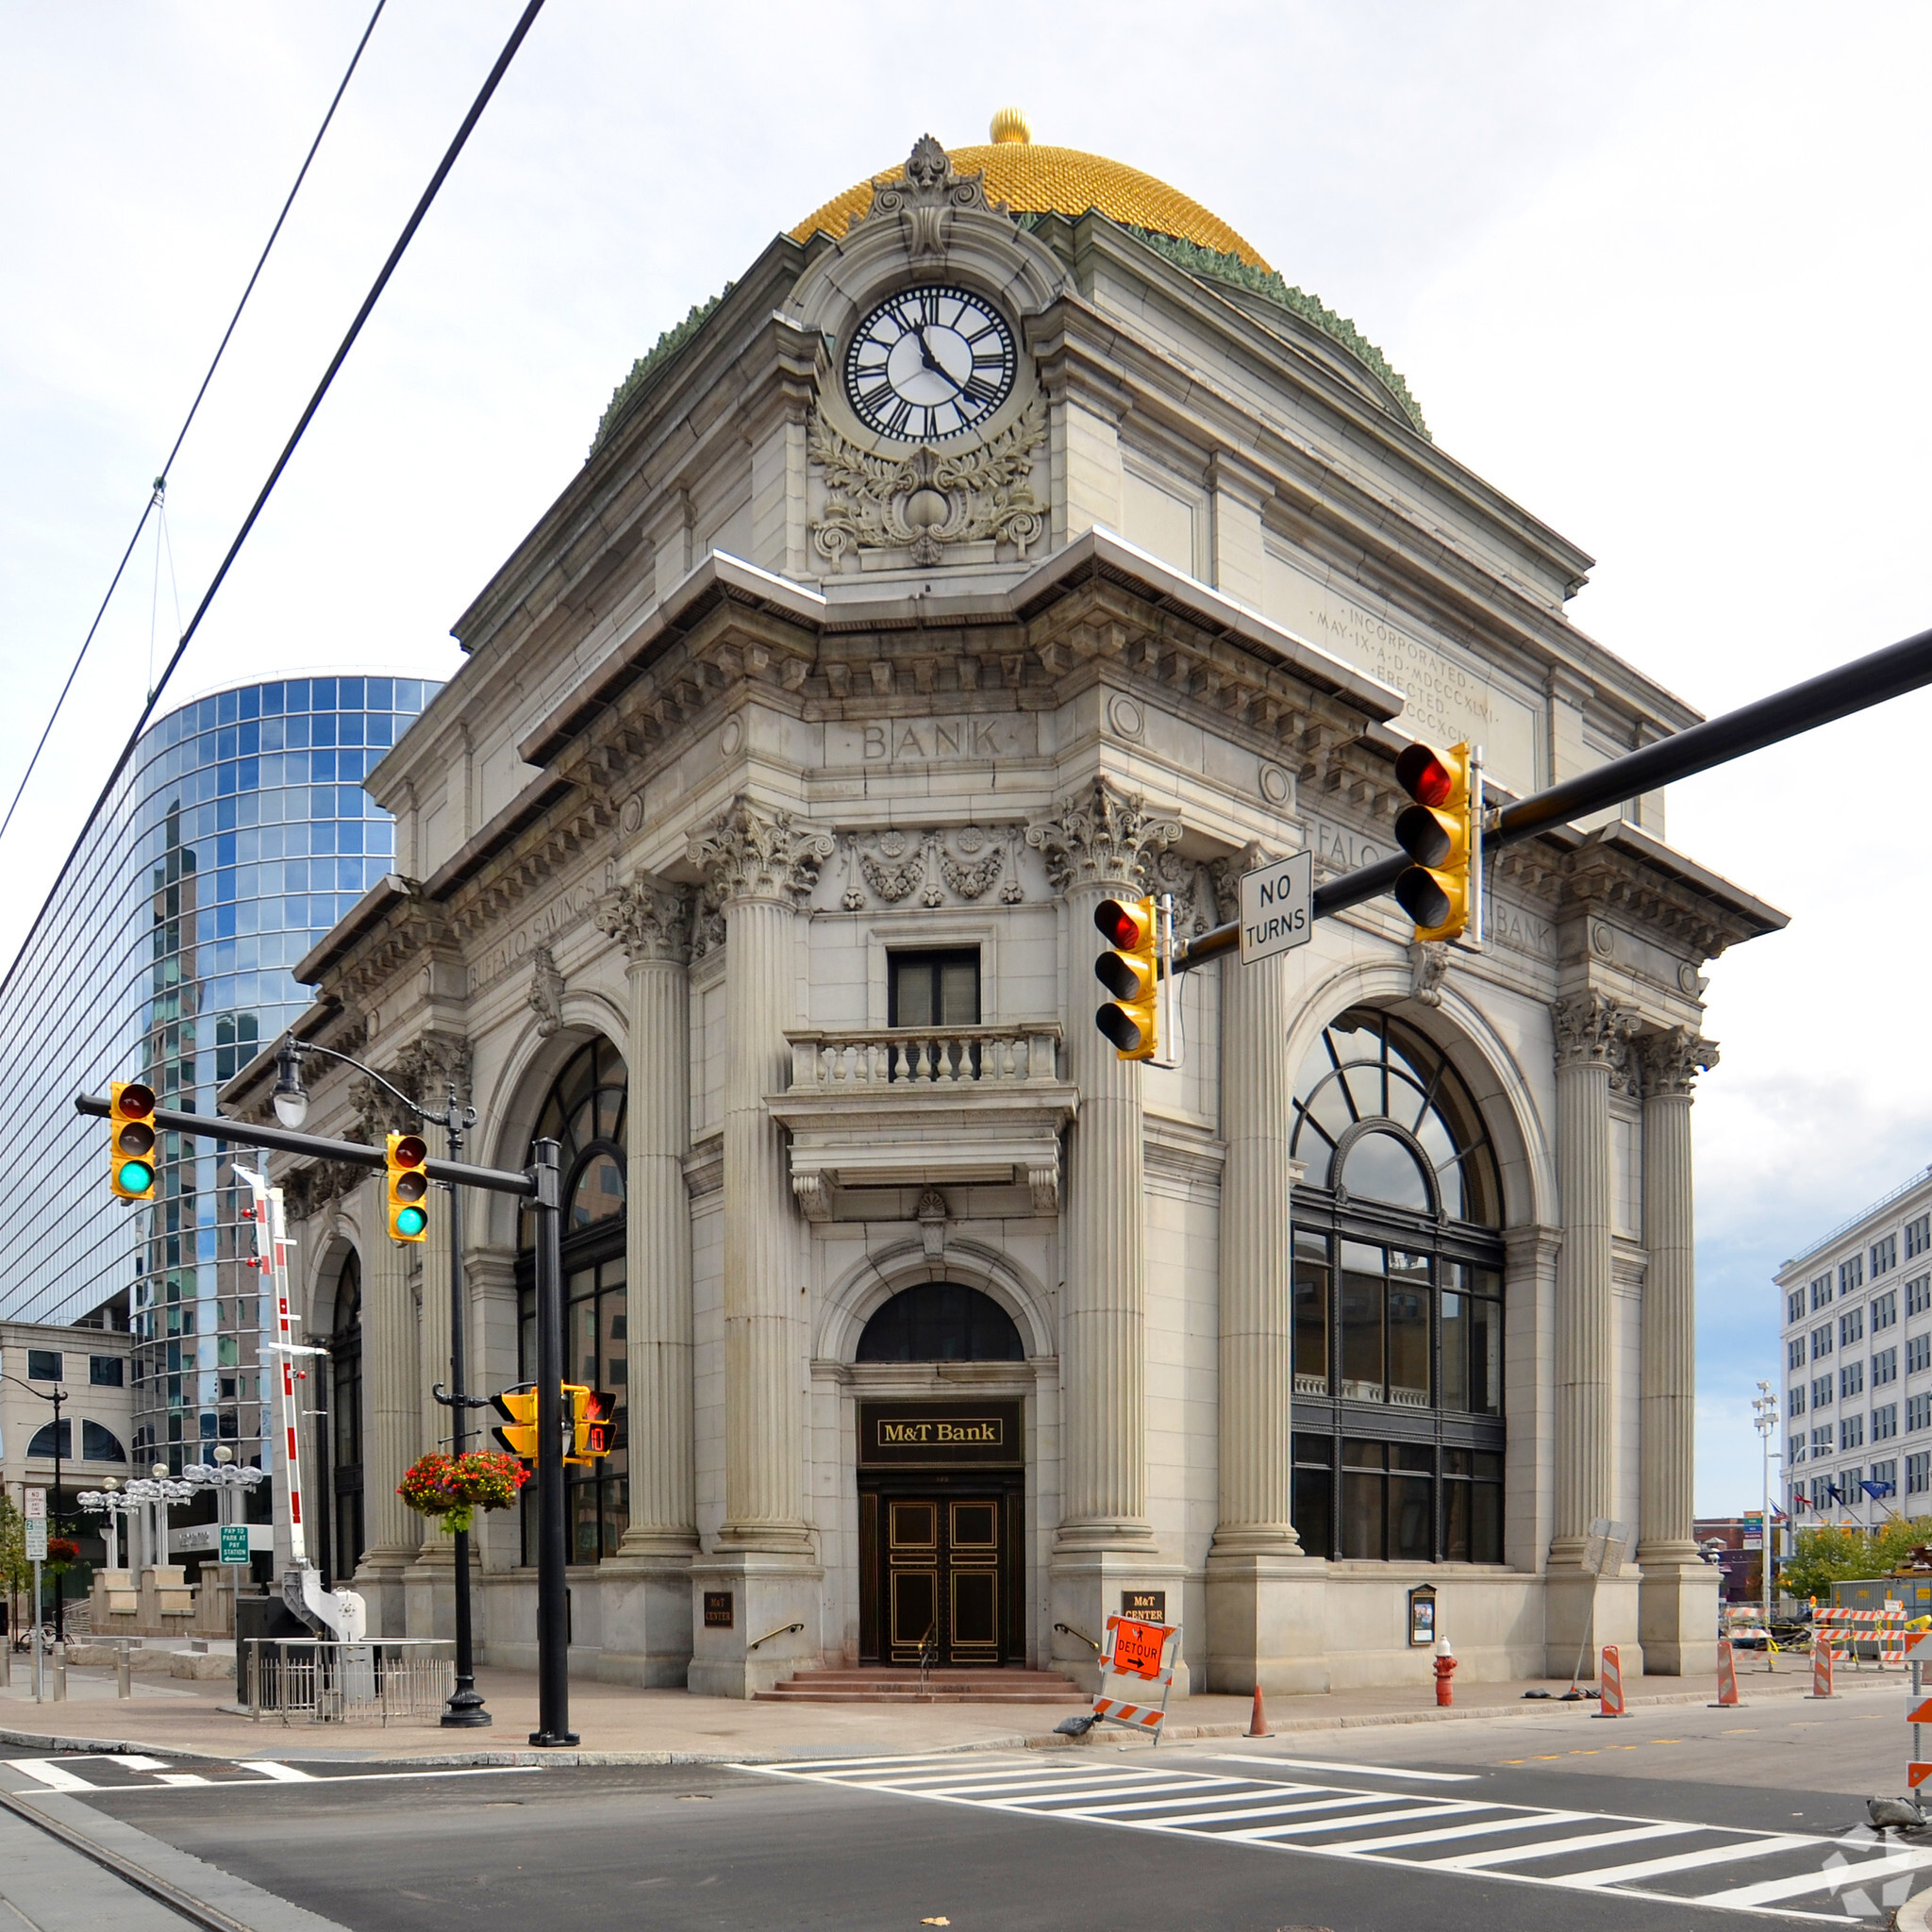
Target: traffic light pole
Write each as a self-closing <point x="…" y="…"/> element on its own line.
<point x="540" y="1184"/>
<point x="552" y="1552"/>
<point x="1821" y="700"/>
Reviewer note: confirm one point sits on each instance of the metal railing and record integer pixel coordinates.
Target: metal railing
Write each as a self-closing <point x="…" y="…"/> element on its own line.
<point x="313" y="1680"/>
<point x="870" y="1057"/>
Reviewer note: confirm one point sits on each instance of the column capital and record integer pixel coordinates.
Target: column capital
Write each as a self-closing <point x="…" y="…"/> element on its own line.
<point x="649" y="917"/>
<point x="1593" y="1030"/>
<point x="751" y="852"/>
<point x="1225" y="874"/>
<point x="1100" y="837"/>
<point x="1672" y="1060"/>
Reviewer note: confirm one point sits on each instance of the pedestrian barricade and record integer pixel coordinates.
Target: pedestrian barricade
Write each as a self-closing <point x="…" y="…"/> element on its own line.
<point x="1140" y="1652"/>
<point x="1610" y="1684"/>
<point x="1857" y="1634"/>
<point x="312" y="1680"/>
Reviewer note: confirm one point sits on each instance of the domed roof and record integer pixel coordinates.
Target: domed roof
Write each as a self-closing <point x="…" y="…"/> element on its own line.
<point x="1032" y="179"/>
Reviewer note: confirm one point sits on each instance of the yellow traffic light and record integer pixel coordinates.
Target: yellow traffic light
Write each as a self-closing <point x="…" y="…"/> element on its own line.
<point x="131" y="1141"/>
<point x="409" y="1187"/>
<point x="590" y="1420"/>
<point x="1442" y="832"/>
<point x="1130" y="972"/>
<point x="517" y="1434"/>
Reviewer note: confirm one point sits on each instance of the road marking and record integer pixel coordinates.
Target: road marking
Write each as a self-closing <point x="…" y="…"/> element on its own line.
<point x="1367" y="1825"/>
<point x="183" y="1778"/>
<point x="1427" y="1777"/>
<point x="55" y="1776"/>
<point x="281" y="1774"/>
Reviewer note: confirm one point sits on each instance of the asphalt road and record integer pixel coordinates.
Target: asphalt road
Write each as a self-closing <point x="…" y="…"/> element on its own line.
<point x="1671" y="1820"/>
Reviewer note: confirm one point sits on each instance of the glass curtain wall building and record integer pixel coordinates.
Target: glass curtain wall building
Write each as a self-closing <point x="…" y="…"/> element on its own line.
<point x="238" y="835"/>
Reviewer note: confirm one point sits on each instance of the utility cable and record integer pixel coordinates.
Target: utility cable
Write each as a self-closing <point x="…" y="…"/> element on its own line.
<point x="525" y="21"/>
<point x="160" y="484"/>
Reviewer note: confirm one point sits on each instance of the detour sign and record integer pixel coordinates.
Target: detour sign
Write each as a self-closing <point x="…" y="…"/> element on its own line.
<point x="1138" y="1647"/>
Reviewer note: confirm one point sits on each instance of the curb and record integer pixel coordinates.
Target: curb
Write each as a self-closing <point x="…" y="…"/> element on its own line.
<point x="1915" y="1915"/>
<point x="341" y="1751"/>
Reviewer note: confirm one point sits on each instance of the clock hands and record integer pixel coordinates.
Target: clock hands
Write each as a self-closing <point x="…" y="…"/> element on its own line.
<point x="926" y="356"/>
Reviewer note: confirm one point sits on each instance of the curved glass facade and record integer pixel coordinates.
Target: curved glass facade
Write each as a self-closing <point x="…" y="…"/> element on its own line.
<point x="240" y="835"/>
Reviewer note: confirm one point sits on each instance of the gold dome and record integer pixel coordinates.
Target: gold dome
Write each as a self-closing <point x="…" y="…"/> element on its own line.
<point x="1031" y="179"/>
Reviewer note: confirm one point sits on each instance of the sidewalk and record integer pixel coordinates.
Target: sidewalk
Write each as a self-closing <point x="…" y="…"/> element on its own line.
<point x="621" y="1725"/>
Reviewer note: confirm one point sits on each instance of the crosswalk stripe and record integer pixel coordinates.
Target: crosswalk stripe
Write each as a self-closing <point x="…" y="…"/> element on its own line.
<point x="1404" y="1839"/>
<point x="1836" y="1878"/>
<point x="271" y="1767"/>
<point x="1202" y="1785"/>
<point x="1557" y="1847"/>
<point x="1362" y="1803"/>
<point x="55" y="1776"/>
<point x="1687" y="1862"/>
<point x="1436" y="1810"/>
<point x="946" y="1786"/>
<point x="1427" y="1777"/>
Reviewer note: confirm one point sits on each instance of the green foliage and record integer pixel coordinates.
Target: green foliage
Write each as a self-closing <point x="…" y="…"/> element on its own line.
<point x="646" y="367"/>
<point x="1266" y="282"/>
<point x="1837" y="1554"/>
<point x="15" y="1571"/>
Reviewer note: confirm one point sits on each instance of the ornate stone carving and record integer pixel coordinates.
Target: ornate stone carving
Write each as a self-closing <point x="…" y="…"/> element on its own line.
<point x="751" y="853"/>
<point x="1102" y="837"/>
<point x="967" y="864"/>
<point x="928" y="198"/>
<point x="931" y="1215"/>
<point x="308" y="1190"/>
<point x="1593" y="1030"/>
<point x="1429" y="966"/>
<point x="1673" y="1059"/>
<point x="813" y="1195"/>
<point x="648" y="918"/>
<point x="1193" y="888"/>
<point x="931" y="498"/>
<point x="1226" y="877"/>
<point x="1044" y="1183"/>
<point x="426" y="1070"/>
<point x="546" y="991"/>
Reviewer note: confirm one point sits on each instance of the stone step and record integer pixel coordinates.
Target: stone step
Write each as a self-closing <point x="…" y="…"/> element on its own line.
<point x="784" y="1694"/>
<point x="951" y="1683"/>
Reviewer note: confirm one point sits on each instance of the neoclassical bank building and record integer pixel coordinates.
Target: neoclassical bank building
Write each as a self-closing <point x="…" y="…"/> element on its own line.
<point x="1010" y="535"/>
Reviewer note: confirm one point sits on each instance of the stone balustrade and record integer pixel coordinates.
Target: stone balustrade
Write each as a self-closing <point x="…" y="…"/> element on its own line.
<point x="866" y="1058"/>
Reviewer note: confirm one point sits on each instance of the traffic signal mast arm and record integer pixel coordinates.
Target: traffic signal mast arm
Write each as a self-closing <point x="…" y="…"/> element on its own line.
<point x="1823" y="700"/>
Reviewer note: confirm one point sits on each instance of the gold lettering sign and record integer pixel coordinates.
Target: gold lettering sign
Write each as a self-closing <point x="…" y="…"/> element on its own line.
<point x="933" y="1434"/>
<point x="988" y="1430"/>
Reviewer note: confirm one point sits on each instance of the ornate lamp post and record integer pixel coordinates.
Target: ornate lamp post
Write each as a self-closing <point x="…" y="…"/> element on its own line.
<point x="291" y="1108"/>
<point x="58" y="1398"/>
<point x="1764" y="1419"/>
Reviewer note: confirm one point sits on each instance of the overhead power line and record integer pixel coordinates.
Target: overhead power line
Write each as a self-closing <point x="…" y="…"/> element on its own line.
<point x="160" y="484"/>
<point x="525" y="21"/>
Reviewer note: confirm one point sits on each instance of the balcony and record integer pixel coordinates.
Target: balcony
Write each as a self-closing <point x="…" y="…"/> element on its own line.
<point x="880" y="1108"/>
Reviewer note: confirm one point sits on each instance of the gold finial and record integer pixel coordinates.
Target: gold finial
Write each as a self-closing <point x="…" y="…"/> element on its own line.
<point x="1009" y="123"/>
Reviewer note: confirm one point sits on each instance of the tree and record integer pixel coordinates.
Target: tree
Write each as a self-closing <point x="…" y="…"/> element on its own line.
<point x="15" y="1571"/>
<point x="1835" y="1553"/>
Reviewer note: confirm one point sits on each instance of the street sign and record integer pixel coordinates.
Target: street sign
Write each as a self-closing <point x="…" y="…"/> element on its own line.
<point x="35" y="1503"/>
<point x="1277" y="907"/>
<point x="234" y="1543"/>
<point x="37" y="1540"/>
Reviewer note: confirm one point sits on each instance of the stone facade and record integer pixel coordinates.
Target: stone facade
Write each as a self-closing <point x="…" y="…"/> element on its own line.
<point x="765" y="702"/>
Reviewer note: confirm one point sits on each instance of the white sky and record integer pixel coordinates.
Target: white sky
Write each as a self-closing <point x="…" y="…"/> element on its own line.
<point x="1658" y="272"/>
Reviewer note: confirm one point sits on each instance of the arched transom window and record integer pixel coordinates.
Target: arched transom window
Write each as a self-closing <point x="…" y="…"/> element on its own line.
<point x="1398" y="1303"/>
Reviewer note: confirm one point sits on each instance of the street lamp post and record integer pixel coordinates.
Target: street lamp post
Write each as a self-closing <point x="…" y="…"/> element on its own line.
<point x="58" y="1398"/>
<point x="465" y="1709"/>
<point x="1764" y="1419"/>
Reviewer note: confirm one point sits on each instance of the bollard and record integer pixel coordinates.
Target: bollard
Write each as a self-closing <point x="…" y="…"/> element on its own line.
<point x="1821" y="1665"/>
<point x="1726" y="1676"/>
<point x="1445" y="1669"/>
<point x="1610" y="1686"/>
<point x="124" y="1671"/>
<point x="60" y="1673"/>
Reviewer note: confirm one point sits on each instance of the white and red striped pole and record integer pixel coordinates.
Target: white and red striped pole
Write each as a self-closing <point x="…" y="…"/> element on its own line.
<point x="272" y="1259"/>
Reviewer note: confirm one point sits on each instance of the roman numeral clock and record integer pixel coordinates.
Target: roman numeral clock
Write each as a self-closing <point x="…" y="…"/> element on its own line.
<point x="929" y="363"/>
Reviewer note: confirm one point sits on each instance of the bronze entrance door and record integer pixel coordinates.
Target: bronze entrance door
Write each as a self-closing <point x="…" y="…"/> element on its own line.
<point x="943" y="1583"/>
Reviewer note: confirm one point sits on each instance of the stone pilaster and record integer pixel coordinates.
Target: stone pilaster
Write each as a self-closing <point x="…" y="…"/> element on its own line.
<point x="757" y="865"/>
<point x="391" y="1407"/>
<point x="1097" y="845"/>
<point x="651" y="1611"/>
<point x="1677" y="1588"/>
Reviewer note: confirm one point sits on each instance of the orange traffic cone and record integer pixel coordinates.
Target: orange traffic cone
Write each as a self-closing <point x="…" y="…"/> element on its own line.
<point x="1257" y="1725"/>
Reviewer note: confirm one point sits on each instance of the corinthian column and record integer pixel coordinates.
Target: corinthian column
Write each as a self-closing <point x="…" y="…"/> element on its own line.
<point x="758" y="864"/>
<point x="1095" y="846"/>
<point x="391" y="1413"/>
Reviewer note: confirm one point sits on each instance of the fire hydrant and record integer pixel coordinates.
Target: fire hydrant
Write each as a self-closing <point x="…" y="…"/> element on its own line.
<point x="1445" y="1669"/>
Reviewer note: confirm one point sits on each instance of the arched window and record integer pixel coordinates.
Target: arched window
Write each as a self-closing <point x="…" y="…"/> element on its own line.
<point x="99" y="1444"/>
<point x="343" y="1437"/>
<point x="939" y="1322"/>
<point x="584" y="1111"/>
<point x="1398" y="1303"/>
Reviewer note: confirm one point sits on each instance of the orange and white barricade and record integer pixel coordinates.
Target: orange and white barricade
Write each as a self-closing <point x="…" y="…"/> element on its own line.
<point x="1726" y="1676"/>
<point x="1845" y="1630"/>
<point x="1140" y="1652"/>
<point x="1917" y="1645"/>
<point x="1821" y="1664"/>
<point x="1610" y="1684"/>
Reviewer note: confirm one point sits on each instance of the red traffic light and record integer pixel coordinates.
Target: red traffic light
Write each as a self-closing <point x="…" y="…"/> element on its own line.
<point x="408" y="1150"/>
<point x="134" y="1101"/>
<point x="1121" y="924"/>
<point x="1425" y="777"/>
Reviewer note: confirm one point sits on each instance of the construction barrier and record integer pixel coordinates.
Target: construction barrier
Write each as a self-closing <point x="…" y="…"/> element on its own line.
<point x="1726" y="1676"/>
<point x="1843" y="1631"/>
<point x="1820" y="1668"/>
<point x="1918" y="1645"/>
<point x="1136" y="1648"/>
<point x="1610" y="1684"/>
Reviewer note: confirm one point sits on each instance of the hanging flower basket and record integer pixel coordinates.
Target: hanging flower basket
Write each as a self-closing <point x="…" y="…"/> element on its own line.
<point x="61" y="1551"/>
<point x="452" y="1488"/>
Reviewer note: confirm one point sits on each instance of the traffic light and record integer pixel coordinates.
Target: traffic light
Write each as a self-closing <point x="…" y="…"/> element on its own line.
<point x="1442" y="833"/>
<point x="1130" y="970"/>
<point x="591" y="1422"/>
<point x="517" y="1433"/>
<point x="131" y="1141"/>
<point x="409" y="1187"/>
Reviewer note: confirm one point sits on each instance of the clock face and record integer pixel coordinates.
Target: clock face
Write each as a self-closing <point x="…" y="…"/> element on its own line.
<point x="929" y="363"/>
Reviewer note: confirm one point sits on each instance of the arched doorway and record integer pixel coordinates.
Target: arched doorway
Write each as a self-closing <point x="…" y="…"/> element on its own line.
<point x="584" y="1112"/>
<point x="940" y="1491"/>
<point x="343" y="1423"/>
<point x="1398" y="1303"/>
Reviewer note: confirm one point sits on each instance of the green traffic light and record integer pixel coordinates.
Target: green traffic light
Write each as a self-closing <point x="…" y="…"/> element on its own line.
<point x="137" y="1176"/>
<point x="410" y="1220"/>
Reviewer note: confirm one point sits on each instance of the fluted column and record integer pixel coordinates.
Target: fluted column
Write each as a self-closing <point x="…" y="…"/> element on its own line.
<point x="1256" y="1341"/>
<point x="1095" y="847"/>
<point x="1671" y="1062"/>
<point x="652" y="921"/>
<point x="1592" y="1036"/>
<point x="392" y="1396"/>
<point x="758" y="864"/>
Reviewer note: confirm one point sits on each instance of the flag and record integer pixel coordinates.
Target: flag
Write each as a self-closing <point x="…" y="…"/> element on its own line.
<point x="1834" y="1494"/>
<point x="1778" y="1515"/>
<point x="1799" y="1502"/>
<point x="1877" y="1490"/>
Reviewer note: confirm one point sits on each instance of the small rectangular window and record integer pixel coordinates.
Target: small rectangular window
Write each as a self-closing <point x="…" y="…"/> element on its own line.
<point x="1851" y="1432"/>
<point x="1312" y="1320"/>
<point x="933" y="988"/>
<point x="1794" y="1448"/>
<point x="1885" y="1309"/>
<point x="1919" y="1473"/>
<point x="1918" y="1294"/>
<point x="1885" y="1473"/>
<point x="1885" y="1421"/>
<point x="104" y="1371"/>
<point x="1820" y="1342"/>
<point x="44" y="1365"/>
<point x="1851" y="1273"/>
<point x="1919" y="1411"/>
<point x="1794" y="1404"/>
<point x="1919" y="1235"/>
<point x="1820" y="1439"/>
<point x="1851" y="1326"/>
<point x="1917" y="1354"/>
<point x="1820" y="1292"/>
<point x="1884" y="1255"/>
<point x="1314" y="1494"/>
<point x="1851" y="1380"/>
<point x="1821" y="1392"/>
<point x="1884" y="1366"/>
<point x="1794" y="1353"/>
<point x="1794" y="1305"/>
